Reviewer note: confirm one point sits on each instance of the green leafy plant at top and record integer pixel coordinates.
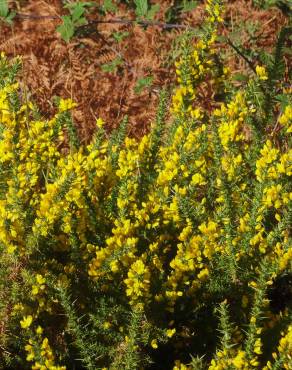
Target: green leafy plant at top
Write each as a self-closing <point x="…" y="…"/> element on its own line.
<point x="142" y="83"/>
<point x="284" y="5"/>
<point x="113" y="65"/>
<point x="5" y="14"/>
<point x="144" y="10"/>
<point x="120" y="36"/>
<point x="74" y="20"/>
<point x="174" y="12"/>
<point x="188" y="5"/>
<point x="109" y="6"/>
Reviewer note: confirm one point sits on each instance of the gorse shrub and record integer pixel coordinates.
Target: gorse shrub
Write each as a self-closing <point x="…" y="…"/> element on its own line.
<point x="173" y="251"/>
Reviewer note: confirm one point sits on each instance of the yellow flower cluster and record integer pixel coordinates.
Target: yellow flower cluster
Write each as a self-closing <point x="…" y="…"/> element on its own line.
<point x="66" y="104"/>
<point x="138" y="282"/>
<point x="191" y="266"/>
<point x="180" y="366"/>
<point x="224" y="361"/>
<point x="283" y="358"/>
<point x="261" y="73"/>
<point x="272" y="164"/>
<point x="233" y="116"/>
<point x="195" y="68"/>
<point x="286" y="119"/>
<point x="41" y="353"/>
<point x="214" y="11"/>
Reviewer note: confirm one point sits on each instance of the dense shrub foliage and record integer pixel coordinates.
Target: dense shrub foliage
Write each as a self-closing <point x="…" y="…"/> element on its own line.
<point x="173" y="251"/>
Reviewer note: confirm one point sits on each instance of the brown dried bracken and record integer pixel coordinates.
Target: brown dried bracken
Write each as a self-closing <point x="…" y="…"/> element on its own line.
<point x="53" y="68"/>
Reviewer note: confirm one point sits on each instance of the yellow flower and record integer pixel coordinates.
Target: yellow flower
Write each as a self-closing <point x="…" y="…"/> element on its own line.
<point x="99" y="123"/>
<point x="26" y="322"/>
<point x="40" y="279"/>
<point x="66" y="104"/>
<point x="261" y="73"/>
<point x="257" y="346"/>
<point x="180" y="366"/>
<point x="39" y="330"/>
<point x="254" y="362"/>
<point x="30" y="356"/>
<point x="106" y="325"/>
<point x="198" y="179"/>
<point x="286" y="118"/>
<point x="238" y="361"/>
<point x="203" y="274"/>
<point x="252" y="284"/>
<point x="154" y="343"/>
<point x="170" y="332"/>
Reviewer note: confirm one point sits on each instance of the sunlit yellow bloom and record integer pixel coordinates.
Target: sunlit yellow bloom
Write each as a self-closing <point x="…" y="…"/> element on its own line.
<point x="262" y="73"/>
<point x="26" y="321"/>
<point x="66" y="104"/>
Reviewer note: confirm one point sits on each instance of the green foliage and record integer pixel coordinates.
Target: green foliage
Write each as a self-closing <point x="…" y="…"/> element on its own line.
<point x="5" y="14"/>
<point x="117" y="140"/>
<point x="188" y="6"/>
<point x="4" y="10"/>
<point x="144" y="11"/>
<point x="113" y="65"/>
<point x="283" y="5"/>
<point x="75" y="19"/>
<point x="120" y="36"/>
<point x="109" y="6"/>
<point x="143" y="83"/>
<point x="174" y="12"/>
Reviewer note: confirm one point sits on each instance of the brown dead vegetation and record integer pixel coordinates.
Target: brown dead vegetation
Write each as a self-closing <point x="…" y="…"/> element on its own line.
<point x="52" y="67"/>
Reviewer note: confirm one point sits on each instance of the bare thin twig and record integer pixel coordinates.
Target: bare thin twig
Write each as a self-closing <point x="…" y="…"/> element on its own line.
<point x="250" y="64"/>
<point x="35" y="16"/>
<point x="109" y="21"/>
